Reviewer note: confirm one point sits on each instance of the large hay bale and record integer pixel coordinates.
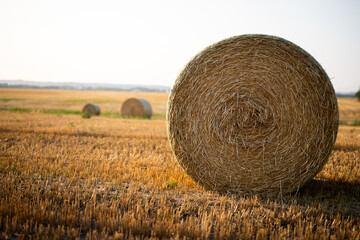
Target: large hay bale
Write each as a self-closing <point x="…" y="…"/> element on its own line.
<point x="136" y="107"/>
<point x="252" y="113"/>
<point x="91" y="109"/>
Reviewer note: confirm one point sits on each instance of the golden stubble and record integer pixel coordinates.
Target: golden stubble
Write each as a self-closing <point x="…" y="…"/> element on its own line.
<point x="112" y="178"/>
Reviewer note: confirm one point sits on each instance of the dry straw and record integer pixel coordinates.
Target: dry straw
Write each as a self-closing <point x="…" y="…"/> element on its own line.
<point x="136" y="107"/>
<point x="91" y="109"/>
<point x="252" y="113"/>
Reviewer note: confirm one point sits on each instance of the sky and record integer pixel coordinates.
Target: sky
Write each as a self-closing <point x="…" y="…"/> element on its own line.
<point x="149" y="42"/>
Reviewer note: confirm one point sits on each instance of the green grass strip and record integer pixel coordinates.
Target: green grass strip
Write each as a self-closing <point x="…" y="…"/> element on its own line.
<point x="11" y="99"/>
<point x="60" y="111"/>
<point x="17" y="109"/>
<point x="77" y="112"/>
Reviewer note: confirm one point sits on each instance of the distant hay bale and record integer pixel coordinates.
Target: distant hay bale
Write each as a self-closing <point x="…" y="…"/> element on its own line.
<point x="136" y="107"/>
<point x="252" y="113"/>
<point x="91" y="109"/>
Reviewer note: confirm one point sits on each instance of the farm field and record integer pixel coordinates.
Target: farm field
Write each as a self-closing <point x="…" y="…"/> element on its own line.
<point x="66" y="177"/>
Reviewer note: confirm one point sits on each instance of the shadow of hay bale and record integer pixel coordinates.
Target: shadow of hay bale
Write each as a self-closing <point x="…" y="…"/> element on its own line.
<point x="335" y="196"/>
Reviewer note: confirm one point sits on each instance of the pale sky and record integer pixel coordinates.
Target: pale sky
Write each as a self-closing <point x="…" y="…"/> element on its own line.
<point x="149" y="42"/>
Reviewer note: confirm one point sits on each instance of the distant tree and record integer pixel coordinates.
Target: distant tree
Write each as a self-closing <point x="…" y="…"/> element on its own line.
<point x="358" y="95"/>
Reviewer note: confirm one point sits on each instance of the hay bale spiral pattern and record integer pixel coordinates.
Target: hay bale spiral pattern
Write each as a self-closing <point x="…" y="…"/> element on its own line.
<point x="252" y="113"/>
<point x="91" y="109"/>
<point x="136" y="107"/>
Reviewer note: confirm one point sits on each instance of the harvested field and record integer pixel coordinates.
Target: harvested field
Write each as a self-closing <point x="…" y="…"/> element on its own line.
<point x="75" y="100"/>
<point x="63" y="176"/>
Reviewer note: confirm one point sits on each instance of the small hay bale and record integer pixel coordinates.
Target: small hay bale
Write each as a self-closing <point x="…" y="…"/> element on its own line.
<point x="136" y="107"/>
<point x="252" y="114"/>
<point x="91" y="109"/>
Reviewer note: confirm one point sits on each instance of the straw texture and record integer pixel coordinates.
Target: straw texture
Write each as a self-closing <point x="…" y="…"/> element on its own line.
<point x="252" y="113"/>
<point x="91" y="109"/>
<point x="136" y="107"/>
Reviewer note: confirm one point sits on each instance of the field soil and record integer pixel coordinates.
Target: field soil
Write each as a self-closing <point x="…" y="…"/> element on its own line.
<point x="63" y="176"/>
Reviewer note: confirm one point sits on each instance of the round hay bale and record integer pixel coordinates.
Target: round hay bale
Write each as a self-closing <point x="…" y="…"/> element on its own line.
<point x="252" y="113"/>
<point x="136" y="107"/>
<point x="91" y="109"/>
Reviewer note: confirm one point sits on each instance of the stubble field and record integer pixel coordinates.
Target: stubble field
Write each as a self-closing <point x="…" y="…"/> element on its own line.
<point x="66" y="177"/>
